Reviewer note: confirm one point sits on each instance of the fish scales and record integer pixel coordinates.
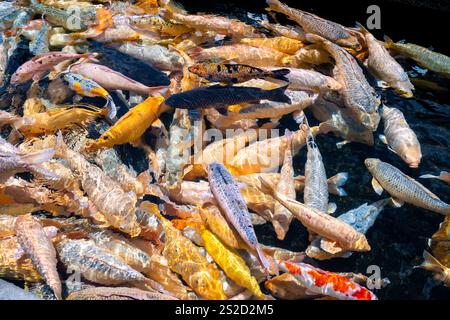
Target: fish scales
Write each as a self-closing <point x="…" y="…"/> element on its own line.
<point x="34" y="241"/>
<point x="404" y="188"/>
<point x="96" y="264"/>
<point x="316" y="186"/>
<point x="400" y="137"/>
<point x="230" y="199"/>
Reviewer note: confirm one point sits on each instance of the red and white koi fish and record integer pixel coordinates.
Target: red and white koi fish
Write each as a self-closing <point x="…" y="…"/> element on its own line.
<point x="318" y="281"/>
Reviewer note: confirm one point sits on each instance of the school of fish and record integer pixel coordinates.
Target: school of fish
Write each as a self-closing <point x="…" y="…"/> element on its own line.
<point x="196" y="100"/>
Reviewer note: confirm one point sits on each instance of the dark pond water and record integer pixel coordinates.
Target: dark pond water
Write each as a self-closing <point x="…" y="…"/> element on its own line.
<point x="399" y="236"/>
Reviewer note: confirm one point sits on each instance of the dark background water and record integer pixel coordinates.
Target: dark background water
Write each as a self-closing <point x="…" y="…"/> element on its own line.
<point x="399" y="236"/>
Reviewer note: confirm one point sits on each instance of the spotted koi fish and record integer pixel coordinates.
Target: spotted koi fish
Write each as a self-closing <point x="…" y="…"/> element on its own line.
<point x="327" y="283"/>
<point x="89" y="88"/>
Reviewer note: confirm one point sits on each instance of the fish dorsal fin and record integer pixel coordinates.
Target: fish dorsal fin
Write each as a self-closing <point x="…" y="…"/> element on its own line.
<point x="377" y="186"/>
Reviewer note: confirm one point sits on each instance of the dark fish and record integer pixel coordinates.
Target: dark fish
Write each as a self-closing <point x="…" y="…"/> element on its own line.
<point x="234" y="73"/>
<point x="129" y="66"/>
<point x="221" y="96"/>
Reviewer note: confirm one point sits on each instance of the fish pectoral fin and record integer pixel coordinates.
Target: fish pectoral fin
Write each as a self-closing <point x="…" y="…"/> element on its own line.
<point x="377" y="187"/>
<point x="392" y="150"/>
<point x="330" y="246"/>
<point x="382" y="138"/>
<point x="331" y="208"/>
<point x="397" y="202"/>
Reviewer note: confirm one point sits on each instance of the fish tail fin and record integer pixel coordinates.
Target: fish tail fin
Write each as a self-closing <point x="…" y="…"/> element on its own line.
<point x="280" y="74"/>
<point x="38" y="157"/>
<point x="388" y="42"/>
<point x="336" y="182"/>
<point x="278" y="94"/>
<point x="112" y="109"/>
<point x="431" y="263"/>
<point x="263" y="261"/>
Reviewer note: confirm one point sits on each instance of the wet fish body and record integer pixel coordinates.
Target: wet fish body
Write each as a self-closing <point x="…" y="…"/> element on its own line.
<point x="234" y="73"/>
<point x="327" y="283"/>
<point x="385" y="67"/>
<point x="315" y="193"/>
<point x="311" y="23"/>
<point x="403" y="188"/>
<point x="426" y="58"/>
<point x="400" y="137"/>
<point x="219" y="96"/>
<point x="129" y="66"/>
<point x="228" y="196"/>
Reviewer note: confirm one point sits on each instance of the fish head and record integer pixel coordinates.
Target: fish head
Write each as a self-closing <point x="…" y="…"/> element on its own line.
<point x="350" y="42"/>
<point x="333" y="85"/>
<point x="412" y="157"/>
<point x="371" y="163"/>
<point x="20" y="77"/>
<point x="197" y="69"/>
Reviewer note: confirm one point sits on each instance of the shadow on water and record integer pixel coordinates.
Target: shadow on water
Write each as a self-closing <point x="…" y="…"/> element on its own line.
<point x="399" y="236"/>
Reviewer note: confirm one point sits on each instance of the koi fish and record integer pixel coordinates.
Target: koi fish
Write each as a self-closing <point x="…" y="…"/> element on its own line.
<point x="311" y="23"/>
<point x="112" y="80"/>
<point x="230" y="200"/>
<point x="221" y="25"/>
<point x="400" y="137"/>
<point x="232" y="264"/>
<point x="39" y="65"/>
<point x="434" y="61"/>
<point x="220" y="96"/>
<point x="327" y="283"/>
<point x="403" y="188"/>
<point x="357" y="94"/>
<point x="31" y="236"/>
<point x="321" y="223"/>
<point x="241" y="53"/>
<point x="89" y="88"/>
<point x="282" y="217"/>
<point x="117" y="293"/>
<point x="131" y="126"/>
<point x="234" y="73"/>
<point x="315" y="194"/>
<point x="384" y="66"/>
